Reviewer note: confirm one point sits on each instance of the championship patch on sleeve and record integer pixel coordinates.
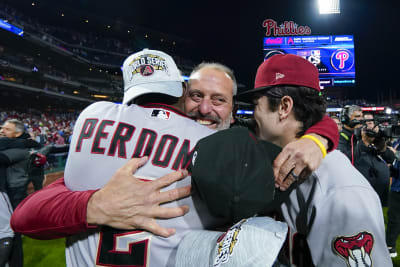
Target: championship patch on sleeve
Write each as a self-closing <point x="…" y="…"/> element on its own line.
<point x="161" y="114"/>
<point x="355" y="250"/>
<point x="226" y="243"/>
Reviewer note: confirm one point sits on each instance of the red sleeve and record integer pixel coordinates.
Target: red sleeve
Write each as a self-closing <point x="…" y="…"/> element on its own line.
<point x="328" y="129"/>
<point x="52" y="212"/>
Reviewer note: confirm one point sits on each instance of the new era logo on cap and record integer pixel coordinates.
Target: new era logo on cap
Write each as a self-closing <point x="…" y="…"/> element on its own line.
<point x="279" y="76"/>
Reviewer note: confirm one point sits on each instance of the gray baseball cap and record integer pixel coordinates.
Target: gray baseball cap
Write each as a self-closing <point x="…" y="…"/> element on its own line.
<point x="255" y="241"/>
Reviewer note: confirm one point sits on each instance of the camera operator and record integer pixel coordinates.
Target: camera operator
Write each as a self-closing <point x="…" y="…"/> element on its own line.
<point x="351" y="117"/>
<point x="369" y="158"/>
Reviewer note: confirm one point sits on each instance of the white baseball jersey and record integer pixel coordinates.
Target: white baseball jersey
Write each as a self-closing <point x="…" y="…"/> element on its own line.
<point x="342" y="215"/>
<point x="106" y="136"/>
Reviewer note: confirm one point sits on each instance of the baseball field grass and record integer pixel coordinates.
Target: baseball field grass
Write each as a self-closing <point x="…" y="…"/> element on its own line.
<point x="47" y="253"/>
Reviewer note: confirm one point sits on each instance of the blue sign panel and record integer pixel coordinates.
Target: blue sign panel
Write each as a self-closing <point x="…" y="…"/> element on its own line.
<point x="9" y="27"/>
<point x="333" y="55"/>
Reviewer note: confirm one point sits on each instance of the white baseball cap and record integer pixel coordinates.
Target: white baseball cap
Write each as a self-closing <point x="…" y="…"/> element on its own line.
<point x="251" y="242"/>
<point x="150" y="71"/>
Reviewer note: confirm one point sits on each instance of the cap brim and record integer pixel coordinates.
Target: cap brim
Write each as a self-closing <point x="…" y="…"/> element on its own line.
<point x="247" y="96"/>
<point x="257" y="242"/>
<point x="172" y="88"/>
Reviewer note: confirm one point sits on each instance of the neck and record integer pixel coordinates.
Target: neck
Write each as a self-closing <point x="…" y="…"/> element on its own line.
<point x="289" y="134"/>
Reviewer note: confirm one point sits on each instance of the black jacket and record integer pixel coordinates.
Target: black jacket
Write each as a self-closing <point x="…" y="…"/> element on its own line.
<point x="345" y="142"/>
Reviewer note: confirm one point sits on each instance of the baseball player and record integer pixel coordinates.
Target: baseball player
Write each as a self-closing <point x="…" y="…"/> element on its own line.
<point x="109" y="134"/>
<point x="335" y="211"/>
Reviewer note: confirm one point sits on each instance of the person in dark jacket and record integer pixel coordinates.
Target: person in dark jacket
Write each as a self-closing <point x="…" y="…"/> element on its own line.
<point x="14" y="160"/>
<point x="351" y="117"/>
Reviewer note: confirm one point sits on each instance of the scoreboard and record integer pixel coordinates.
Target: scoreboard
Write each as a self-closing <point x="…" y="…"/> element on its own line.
<point x="333" y="55"/>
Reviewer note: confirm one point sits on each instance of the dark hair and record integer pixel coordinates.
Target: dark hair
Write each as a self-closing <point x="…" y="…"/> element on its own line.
<point x="308" y="106"/>
<point x="155" y="98"/>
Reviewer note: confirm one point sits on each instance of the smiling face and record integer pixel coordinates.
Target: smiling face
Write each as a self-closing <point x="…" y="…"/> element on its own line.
<point x="209" y="98"/>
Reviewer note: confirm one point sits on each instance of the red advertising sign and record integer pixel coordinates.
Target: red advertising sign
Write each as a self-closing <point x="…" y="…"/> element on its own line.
<point x="286" y="28"/>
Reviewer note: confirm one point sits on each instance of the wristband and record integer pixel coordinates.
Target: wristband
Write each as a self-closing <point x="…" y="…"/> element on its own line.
<point x="319" y="144"/>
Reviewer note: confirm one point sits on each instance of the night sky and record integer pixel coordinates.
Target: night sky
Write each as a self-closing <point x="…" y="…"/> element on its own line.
<point x="231" y="32"/>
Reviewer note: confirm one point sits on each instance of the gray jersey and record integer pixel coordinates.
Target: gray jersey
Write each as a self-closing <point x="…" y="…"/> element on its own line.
<point x="341" y="215"/>
<point x="106" y="136"/>
<point x="5" y="215"/>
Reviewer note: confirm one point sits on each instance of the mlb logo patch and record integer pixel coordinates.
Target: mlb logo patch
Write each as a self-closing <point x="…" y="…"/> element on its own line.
<point x="161" y="114"/>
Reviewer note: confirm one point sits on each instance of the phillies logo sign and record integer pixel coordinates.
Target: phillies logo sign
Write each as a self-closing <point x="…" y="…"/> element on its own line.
<point x="286" y="28"/>
<point x="342" y="60"/>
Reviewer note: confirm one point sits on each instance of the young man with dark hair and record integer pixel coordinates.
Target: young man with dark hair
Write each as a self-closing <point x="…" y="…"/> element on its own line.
<point x="335" y="216"/>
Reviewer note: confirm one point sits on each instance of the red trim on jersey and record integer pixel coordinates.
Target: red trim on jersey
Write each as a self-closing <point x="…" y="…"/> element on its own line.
<point x="83" y="131"/>
<point x="181" y="161"/>
<point x="145" y="143"/>
<point x="163" y="148"/>
<point x="118" y="143"/>
<point x="101" y="137"/>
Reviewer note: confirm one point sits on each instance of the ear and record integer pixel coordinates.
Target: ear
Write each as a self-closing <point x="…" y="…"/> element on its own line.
<point x="185" y="87"/>
<point x="285" y="107"/>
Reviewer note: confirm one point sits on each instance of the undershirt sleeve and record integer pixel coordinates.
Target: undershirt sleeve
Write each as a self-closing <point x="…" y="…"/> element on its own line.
<point x="326" y="128"/>
<point x="52" y="212"/>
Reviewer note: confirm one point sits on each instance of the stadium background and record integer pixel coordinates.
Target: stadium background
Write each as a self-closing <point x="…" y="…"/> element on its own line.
<point x="71" y="52"/>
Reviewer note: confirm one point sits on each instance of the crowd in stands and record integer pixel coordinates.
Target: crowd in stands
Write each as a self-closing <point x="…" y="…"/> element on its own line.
<point x="47" y="128"/>
<point x="95" y="48"/>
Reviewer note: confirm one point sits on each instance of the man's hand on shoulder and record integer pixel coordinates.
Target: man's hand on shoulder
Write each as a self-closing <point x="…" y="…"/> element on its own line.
<point x="297" y="160"/>
<point x="126" y="202"/>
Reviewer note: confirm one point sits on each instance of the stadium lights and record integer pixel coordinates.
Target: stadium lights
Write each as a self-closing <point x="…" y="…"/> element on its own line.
<point x="329" y="6"/>
<point x="100" y="96"/>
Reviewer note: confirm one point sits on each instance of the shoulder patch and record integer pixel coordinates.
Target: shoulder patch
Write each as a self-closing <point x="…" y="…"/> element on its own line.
<point x="355" y="250"/>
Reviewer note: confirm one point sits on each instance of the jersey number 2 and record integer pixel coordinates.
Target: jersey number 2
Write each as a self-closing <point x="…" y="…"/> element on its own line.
<point x="122" y="248"/>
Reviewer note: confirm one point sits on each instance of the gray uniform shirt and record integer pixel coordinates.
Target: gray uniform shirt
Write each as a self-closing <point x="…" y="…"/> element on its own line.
<point x="5" y="215"/>
<point x="344" y="217"/>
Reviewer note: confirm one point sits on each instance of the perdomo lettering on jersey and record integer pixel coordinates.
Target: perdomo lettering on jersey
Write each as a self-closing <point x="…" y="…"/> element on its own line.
<point x="94" y="131"/>
<point x="106" y="136"/>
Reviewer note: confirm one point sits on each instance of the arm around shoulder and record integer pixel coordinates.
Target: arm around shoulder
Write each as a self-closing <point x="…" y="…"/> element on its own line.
<point x="52" y="212"/>
<point x="326" y="128"/>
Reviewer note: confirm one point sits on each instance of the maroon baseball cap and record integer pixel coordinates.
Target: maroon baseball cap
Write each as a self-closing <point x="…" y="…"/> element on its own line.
<point x="284" y="70"/>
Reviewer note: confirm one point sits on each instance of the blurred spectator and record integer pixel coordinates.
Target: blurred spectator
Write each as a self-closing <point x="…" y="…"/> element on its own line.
<point x="351" y="117"/>
<point x="338" y="123"/>
<point x="59" y="140"/>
